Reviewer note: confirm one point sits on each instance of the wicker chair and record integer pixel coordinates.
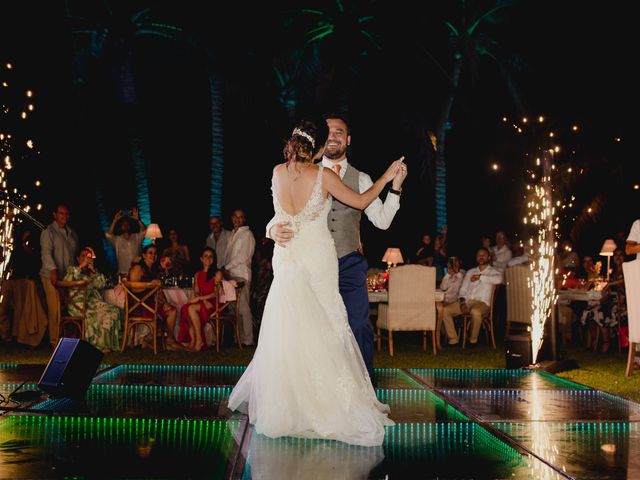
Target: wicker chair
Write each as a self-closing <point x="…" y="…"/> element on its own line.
<point x="411" y="304"/>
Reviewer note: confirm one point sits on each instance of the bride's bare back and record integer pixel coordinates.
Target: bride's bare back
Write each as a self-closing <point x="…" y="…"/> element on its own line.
<point x="293" y="185"/>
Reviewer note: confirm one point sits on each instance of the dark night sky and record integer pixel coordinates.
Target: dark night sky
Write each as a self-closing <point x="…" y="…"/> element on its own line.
<point x="577" y="68"/>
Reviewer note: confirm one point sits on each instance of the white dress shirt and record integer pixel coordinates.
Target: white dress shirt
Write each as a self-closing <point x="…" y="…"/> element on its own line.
<point x="450" y="285"/>
<point x="380" y="214"/>
<point x="220" y="246"/>
<point x="239" y="253"/>
<point x="501" y="256"/>
<point x="126" y="248"/>
<point x="634" y="234"/>
<point x="480" y="289"/>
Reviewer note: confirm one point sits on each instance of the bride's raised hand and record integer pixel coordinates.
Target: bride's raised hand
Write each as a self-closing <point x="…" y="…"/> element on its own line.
<point x="393" y="169"/>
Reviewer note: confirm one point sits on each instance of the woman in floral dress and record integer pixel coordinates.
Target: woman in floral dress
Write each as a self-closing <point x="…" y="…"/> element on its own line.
<point x="103" y="321"/>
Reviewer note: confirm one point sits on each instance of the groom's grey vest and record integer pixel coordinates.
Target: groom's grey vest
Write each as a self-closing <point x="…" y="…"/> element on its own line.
<point x="344" y="221"/>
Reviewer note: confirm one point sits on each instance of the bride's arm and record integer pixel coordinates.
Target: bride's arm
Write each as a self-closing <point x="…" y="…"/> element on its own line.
<point x="340" y="191"/>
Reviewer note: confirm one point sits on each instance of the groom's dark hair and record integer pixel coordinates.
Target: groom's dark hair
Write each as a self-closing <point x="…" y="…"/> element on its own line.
<point x="338" y="116"/>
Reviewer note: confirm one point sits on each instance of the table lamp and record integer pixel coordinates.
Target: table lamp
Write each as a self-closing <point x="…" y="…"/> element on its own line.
<point x="153" y="232"/>
<point x="392" y="256"/>
<point x="608" y="247"/>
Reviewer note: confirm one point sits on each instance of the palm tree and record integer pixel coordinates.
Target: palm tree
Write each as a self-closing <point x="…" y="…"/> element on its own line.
<point x="335" y="42"/>
<point x="217" y="144"/>
<point x="109" y="37"/>
<point x="468" y="45"/>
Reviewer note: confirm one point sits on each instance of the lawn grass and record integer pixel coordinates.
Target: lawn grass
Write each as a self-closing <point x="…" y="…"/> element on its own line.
<point x="601" y="371"/>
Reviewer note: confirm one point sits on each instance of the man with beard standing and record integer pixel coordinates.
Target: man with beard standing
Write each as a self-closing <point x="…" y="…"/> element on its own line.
<point x="344" y="224"/>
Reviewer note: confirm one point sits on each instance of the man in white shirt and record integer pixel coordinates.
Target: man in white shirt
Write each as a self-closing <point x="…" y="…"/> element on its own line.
<point x="474" y="297"/>
<point x="500" y="252"/>
<point x="58" y="250"/>
<point x="450" y="286"/>
<point x="218" y="239"/>
<point x="633" y="240"/>
<point x="238" y="266"/>
<point x="126" y="244"/>
<point x="344" y="224"/>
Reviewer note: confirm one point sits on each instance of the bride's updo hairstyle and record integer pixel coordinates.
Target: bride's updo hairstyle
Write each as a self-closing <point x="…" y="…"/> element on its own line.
<point x="306" y="140"/>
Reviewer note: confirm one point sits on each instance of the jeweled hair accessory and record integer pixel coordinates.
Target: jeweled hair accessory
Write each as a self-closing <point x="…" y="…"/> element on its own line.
<point x="297" y="131"/>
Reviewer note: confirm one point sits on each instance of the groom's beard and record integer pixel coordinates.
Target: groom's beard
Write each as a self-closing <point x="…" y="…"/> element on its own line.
<point x="334" y="155"/>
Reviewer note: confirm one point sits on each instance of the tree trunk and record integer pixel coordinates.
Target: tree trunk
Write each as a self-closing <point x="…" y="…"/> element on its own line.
<point x="217" y="145"/>
<point x="441" y="136"/>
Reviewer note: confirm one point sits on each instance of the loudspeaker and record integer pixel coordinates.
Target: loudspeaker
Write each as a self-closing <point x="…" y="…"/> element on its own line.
<point x="518" y="351"/>
<point x="70" y="369"/>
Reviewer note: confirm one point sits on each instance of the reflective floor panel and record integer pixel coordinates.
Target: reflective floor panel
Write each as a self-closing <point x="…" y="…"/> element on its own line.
<point x="442" y="378"/>
<point x="537" y="405"/>
<point x="186" y="375"/>
<point x="415" y="450"/>
<point x="57" y="447"/>
<point x="585" y="450"/>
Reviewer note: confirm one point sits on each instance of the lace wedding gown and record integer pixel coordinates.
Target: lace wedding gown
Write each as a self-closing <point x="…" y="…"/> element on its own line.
<point x="307" y="377"/>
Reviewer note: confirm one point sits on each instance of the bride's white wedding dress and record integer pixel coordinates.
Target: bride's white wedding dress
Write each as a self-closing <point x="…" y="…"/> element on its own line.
<point x="307" y="377"/>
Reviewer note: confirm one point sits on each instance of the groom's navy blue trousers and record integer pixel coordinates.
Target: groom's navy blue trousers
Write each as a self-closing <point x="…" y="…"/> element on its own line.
<point x="353" y="288"/>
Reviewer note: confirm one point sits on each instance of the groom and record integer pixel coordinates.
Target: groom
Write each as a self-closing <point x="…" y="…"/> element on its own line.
<point x="344" y="224"/>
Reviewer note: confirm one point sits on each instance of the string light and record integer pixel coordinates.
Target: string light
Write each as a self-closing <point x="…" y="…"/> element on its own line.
<point x="13" y="204"/>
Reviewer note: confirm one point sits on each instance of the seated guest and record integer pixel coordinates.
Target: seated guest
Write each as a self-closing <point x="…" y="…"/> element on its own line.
<point x="589" y="271"/>
<point x="439" y="256"/>
<point x="263" y="276"/>
<point x="424" y="253"/>
<point x="474" y="297"/>
<point x="450" y="286"/>
<point x="610" y="312"/>
<point x="195" y="313"/>
<point x="126" y="234"/>
<point x="569" y="259"/>
<point x="178" y="253"/>
<point x="103" y="321"/>
<point x="147" y="271"/>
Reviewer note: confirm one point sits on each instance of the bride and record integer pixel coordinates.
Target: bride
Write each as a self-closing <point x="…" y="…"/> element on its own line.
<point x="307" y="377"/>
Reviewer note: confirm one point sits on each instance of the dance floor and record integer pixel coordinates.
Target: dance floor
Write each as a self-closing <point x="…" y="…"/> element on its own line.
<point x="172" y="422"/>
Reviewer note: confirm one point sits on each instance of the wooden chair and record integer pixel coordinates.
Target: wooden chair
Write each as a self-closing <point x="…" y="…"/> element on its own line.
<point x="226" y="312"/>
<point x="411" y="304"/>
<point x="631" y="272"/>
<point x="69" y="292"/>
<point x="487" y="322"/>
<point x="519" y="300"/>
<point x="141" y="309"/>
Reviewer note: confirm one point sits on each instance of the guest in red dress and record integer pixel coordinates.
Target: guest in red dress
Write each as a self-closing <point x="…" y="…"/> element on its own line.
<point x="194" y="315"/>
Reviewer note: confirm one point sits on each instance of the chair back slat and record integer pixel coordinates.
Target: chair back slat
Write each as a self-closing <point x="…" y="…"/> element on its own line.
<point x="519" y="308"/>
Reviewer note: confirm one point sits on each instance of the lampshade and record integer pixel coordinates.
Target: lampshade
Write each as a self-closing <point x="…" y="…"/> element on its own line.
<point x="608" y="247"/>
<point x="153" y="231"/>
<point x="393" y="256"/>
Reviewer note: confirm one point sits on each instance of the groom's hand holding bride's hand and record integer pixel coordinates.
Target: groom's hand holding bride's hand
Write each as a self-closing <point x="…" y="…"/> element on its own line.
<point x="395" y="169"/>
<point x="281" y="233"/>
<point x="401" y="174"/>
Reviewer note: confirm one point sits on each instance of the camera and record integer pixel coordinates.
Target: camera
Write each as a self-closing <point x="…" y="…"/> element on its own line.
<point x="126" y="213"/>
